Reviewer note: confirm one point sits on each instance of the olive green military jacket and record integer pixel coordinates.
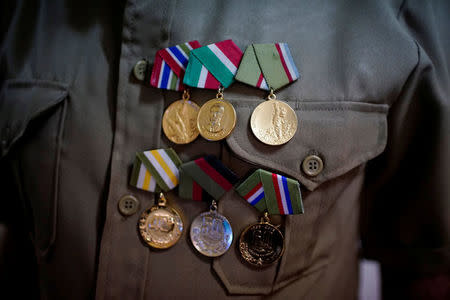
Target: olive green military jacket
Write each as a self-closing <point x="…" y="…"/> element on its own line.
<point x="372" y="103"/>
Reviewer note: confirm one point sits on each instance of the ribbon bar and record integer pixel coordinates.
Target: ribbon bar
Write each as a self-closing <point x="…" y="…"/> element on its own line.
<point x="170" y="65"/>
<point x="267" y="66"/>
<point x="205" y="178"/>
<point x="156" y="169"/>
<point x="214" y="65"/>
<point x="272" y="192"/>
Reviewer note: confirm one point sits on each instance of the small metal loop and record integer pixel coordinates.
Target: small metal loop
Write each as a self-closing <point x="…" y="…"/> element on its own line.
<point x="186" y="95"/>
<point x="219" y="94"/>
<point x="213" y="206"/>
<point x="272" y="96"/>
<point x="265" y="218"/>
<point x="162" y="201"/>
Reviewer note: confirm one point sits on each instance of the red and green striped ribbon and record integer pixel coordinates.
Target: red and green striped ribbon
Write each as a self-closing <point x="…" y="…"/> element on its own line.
<point x="213" y="65"/>
<point x="274" y="193"/>
<point x="170" y="65"/>
<point x="205" y="178"/>
<point x="156" y="170"/>
<point x="267" y="66"/>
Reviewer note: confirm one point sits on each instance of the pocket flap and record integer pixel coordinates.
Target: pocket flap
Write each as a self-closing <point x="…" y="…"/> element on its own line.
<point x="343" y="134"/>
<point x="21" y="102"/>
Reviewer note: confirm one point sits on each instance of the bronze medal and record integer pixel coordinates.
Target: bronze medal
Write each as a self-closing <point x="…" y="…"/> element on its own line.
<point x="261" y="244"/>
<point x="274" y="122"/>
<point x="179" y="121"/>
<point x="161" y="226"/>
<point x="216" y="118"/>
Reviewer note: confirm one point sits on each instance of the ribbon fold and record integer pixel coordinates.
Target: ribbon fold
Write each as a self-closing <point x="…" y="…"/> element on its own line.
<point x="272" y="192"/>
<point x="205" y="179"/>
<point x="170" y="65"/>
<point x="213" y="65"/>
<point x="267" y="66"/>
<point x="156" y="170"/>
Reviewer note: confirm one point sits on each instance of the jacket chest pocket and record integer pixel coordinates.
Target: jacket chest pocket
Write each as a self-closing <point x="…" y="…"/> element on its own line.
<point x="344" y="135"/>
<point x="31" y="127"/>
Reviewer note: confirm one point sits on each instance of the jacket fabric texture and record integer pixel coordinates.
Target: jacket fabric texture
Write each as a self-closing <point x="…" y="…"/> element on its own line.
<point x="372" y="102"/>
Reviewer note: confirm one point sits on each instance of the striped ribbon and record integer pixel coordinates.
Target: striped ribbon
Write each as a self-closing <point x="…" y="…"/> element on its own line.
<point x="205" y="178"/>
<point x="156" y="169"/>
<point x="170" y="65"/>
<point x="213" y="65"/>
<point x="272" y="192"/>
<point x="267" y="66"/>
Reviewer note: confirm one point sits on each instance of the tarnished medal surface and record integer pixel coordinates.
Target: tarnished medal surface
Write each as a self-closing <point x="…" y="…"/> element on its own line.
<point x="180" y="121"/>
<point x="261" y="244"/>
<point x="161" y="226"/>
<point x="216" y="119"/>
<point x="274" y="122"/>
<point x="211" y="233"/>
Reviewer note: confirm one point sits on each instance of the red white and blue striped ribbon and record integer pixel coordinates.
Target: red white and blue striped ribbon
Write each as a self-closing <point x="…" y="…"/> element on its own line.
<point x="170" y="65"/>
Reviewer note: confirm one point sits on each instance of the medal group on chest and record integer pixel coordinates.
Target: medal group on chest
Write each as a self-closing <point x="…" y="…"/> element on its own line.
<point x="207" y="179"/>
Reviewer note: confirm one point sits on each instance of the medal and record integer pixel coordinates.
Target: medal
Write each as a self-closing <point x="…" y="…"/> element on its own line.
<point x="216" y="119"/>
<point x="213" y="67"/>
<point x="161" y="226"/>
<point x="270" y="67"/>
<point x="262" y="244"/>
<point x="179" y="121"/>
<point x="211" y="233"/>
<point x="205" y="179"/>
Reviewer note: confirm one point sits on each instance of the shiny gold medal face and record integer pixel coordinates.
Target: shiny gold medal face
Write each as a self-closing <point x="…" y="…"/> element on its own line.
<point x="274" y="122"/>
<point x="216" y="119"/>
<point x="261" y="244"/>
<point x="180" y="121"/>
<point x="160" y="227"/>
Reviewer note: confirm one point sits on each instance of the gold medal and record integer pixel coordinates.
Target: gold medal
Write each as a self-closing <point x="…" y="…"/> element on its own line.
<point x="161" y="226"/>
<point x="180" y="120"/>
<point x="261" y="244"/>
<point x="216" y="118"/>
<point x="274" y="122"/>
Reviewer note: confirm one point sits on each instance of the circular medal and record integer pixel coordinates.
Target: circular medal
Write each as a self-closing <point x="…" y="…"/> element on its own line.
<point x="161" y="227"/>
<point x="180" y="121"/>
<point x="216" y="119"/>
<point x="211" y="234"/>
<point x="274" y="122"/>
<point x="261" y="244"/>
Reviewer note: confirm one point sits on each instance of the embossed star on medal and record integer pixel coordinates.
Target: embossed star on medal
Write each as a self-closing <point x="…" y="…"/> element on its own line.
<point x="262" y="244"/>
<point x="179" y="121"/>
<point x="160" y="225"/>
<point x="213" y="67"/>
<point x="207" y="179"/>
<point x="270" y="67"/>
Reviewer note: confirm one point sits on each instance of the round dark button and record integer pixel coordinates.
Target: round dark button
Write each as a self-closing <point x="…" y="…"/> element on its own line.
<point x="139" y="69"/>
<point x="312" y="165"/>
<point x="128" y="205"/>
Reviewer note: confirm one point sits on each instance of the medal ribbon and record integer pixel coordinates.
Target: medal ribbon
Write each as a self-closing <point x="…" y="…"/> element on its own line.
<point x="214" y="65"/>
<point x="272" y="192"/>
<point x="170" y="65"/>
<point x="156" y="170"/>
<point x="267" y="66"/>
<point x="205" y="178"/>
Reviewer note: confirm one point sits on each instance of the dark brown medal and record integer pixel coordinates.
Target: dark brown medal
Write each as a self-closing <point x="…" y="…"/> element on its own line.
<point x="261" y="244"/>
